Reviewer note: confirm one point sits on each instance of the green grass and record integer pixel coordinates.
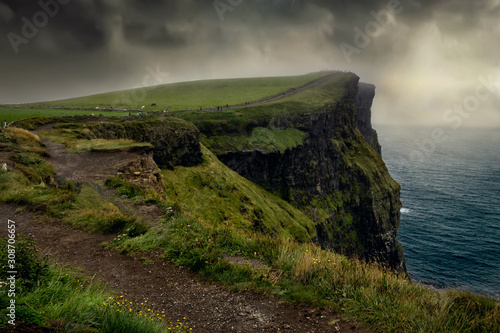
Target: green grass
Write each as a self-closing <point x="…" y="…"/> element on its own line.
<point x="102" y="144"/>
<point x="32" y="184"/>
<point x="260" y="138"/>
<point x="189" y="95"/>
<point x="212" y="212"/>
<point x="12" y="114"/>
<point x="95" y="214"/>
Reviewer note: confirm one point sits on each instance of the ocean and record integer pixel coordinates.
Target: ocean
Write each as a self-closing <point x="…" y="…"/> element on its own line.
<point x="450" y="190"/>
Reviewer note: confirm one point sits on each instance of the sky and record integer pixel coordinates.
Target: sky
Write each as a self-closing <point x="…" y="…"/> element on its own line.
<point x="433" y="62"/>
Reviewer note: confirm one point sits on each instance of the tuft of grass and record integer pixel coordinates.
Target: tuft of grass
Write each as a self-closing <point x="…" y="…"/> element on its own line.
<point x="23" y="137"/>
<point x="95" y="214"/>
<point x="20" y="140"/>
<point x="31" y="267"/>
<point x="124" y="188"/>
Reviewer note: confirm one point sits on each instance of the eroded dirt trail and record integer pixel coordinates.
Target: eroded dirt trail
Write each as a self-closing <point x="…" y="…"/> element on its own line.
<point x="207" y="306"/>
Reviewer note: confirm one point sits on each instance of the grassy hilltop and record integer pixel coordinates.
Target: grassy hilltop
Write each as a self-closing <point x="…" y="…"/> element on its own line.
<point x="209" y="213"/>
<point x="176" y="96"/>
<point x="188" y="95"/>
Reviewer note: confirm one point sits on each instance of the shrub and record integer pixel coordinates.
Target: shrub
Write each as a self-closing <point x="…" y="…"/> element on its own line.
<point x="29" y="266"/>
<point x="24" y="137"/>
<point x="136" y="229"/>
<point x="27" y="315"/>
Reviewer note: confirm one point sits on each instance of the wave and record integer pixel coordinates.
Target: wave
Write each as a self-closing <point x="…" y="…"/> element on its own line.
<point x="405" y="210"/>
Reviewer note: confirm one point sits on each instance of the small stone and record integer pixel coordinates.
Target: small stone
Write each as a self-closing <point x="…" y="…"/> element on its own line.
<point x="137" y="173"/>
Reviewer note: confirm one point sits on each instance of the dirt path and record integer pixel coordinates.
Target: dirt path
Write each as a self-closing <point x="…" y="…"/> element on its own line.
<point x="91" y="166"/>
<point x="207" y="306"/>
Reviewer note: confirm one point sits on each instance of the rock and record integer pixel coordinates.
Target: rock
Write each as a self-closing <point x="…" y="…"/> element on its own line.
<point x="151" y="180"/>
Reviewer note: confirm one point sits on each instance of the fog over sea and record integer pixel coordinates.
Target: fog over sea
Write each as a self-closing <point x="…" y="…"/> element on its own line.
<point x="450" y="220"/>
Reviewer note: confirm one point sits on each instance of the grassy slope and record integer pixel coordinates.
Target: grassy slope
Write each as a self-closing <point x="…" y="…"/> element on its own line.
<point x="217" y="196"/>
<point x="260" y="138"/>
<point x="189" y="95"/>
<point x="206" y="224"/>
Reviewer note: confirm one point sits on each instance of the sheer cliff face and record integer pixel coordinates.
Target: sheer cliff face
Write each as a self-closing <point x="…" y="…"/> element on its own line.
<point x="364" y="101"/>
<point x="335" y="176"/>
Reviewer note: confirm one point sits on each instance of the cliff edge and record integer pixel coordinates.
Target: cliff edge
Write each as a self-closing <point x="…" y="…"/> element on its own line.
<point x="317" y="150"/>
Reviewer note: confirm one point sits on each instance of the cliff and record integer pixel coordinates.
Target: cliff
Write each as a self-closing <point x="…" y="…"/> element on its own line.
<point x="364" y="101"/>
<point x="317" y="158"/>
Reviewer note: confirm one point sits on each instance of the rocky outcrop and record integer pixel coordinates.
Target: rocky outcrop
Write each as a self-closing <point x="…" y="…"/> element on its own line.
<point x="143" y="171"/>
<point x="174" y="143"/>
<point x="334" y="176"/>
<point x="364" y="101"/>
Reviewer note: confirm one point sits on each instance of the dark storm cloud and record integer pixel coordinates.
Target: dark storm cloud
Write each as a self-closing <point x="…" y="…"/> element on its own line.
<point x="82" y="25"/>
<point x="89" y="23"/>
<point x="95" y="45"/>
<point x="147" y="22"/>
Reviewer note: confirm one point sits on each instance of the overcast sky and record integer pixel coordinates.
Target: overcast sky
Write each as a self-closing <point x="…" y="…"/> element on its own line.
<point x="433" y="62"/>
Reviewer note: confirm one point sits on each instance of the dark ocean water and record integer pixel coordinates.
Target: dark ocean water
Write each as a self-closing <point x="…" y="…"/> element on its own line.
<point x="450" y="223"/>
